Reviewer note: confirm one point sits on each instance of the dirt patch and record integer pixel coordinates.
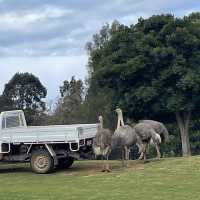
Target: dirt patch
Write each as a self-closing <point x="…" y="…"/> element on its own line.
<point x="91" y="168"/>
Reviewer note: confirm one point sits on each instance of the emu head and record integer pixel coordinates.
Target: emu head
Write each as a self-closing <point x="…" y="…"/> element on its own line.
<point x="101" y="121"/>
<point x="100" y="118"/>
<point x="118" y="111"/>
<point x="120" y="118"/>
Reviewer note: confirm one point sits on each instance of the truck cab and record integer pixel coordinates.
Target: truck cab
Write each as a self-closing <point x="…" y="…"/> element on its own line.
<point x="12" y="119"/>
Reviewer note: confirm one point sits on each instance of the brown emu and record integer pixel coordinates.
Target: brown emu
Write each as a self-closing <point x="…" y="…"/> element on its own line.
<point x="102" y="144"/>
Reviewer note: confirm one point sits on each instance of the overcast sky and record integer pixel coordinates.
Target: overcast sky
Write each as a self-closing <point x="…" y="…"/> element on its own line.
<point x="48" y="37"/>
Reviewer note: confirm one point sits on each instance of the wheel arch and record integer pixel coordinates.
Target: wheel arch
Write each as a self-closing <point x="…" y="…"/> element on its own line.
<point x="48" y="147"/>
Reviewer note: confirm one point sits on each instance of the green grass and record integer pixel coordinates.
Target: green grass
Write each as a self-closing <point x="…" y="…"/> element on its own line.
<point x="174" y="178"/>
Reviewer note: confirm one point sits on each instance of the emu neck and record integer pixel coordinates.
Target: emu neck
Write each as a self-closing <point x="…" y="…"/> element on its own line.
<point x="101" y="124"/>
<point x="120" y="120"/>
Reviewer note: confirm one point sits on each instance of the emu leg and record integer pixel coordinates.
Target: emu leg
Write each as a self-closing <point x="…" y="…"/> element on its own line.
<point x="129" y="154"/>
<point x="142" y="152"/>
<point x="141" y="156"/>
<point x="145" y="151"/>
<point x="107" y="165"/>
<point x="126" y="155"/>
<point x="103" y="164"/>
<point x="123" y="164"/>
<point x="158" y="151"/>
<point x="108" y="169"/>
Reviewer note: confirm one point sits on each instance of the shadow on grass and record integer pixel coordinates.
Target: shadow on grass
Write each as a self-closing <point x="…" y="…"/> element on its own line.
<point x="15" y="169"/>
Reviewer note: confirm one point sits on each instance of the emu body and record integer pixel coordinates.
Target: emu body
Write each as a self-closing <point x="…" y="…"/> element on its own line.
<point x="102" y="144"/>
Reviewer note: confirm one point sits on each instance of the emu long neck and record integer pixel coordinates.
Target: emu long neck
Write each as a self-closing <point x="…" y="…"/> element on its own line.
<point x="101" y="123"/>
<point x="120" y="120"/>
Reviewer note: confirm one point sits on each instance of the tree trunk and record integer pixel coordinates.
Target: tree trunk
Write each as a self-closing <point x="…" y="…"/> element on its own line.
<point x="183" y="120"/>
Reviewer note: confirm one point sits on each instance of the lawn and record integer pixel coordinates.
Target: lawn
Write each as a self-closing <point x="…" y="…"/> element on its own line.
<point x="174" y="178"/>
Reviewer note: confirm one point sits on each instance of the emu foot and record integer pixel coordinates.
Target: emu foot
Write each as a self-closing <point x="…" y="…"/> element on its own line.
<point x="140" y="158"/>
<point x="103" y="170"/>
<point x="108" y="170"/>
<point x="127" y="164"/>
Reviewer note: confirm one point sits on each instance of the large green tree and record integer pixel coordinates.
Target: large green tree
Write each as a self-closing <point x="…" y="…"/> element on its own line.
<point x="26" y="92"/>
<point x="153" y="67"/>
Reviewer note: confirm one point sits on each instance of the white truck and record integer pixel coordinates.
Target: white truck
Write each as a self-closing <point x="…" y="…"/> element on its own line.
<point x="45" y="147"/>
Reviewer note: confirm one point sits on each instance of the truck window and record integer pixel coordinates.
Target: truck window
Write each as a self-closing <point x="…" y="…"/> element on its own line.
<point x="21" y="120"/>
<point x="12" y="121"/>
<point x="3" y="123"/>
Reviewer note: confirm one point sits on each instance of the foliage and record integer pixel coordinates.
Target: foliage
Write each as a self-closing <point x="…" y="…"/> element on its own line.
<point x="5" y="103"/>
<point x="25" y="92"/>
<point x="100" y="102"/>
<point x="152" y="67"/>
<point x="69" y="106"/>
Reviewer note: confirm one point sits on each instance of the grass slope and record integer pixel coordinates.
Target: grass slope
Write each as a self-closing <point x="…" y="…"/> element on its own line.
<point x="177" y="179"/>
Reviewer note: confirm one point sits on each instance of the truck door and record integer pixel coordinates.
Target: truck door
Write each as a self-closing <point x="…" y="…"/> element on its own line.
<point x="4" y="145"/>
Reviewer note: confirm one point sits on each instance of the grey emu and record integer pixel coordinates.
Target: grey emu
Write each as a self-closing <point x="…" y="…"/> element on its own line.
<point x="124" y="137"/>
<point x="146" y="133"/>
<point x="161" y="130"/>
<point x="102" y="144"/>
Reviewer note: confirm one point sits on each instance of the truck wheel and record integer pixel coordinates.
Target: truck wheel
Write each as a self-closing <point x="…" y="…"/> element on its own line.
<point x="65" y="163"/>
<point x="41" y="162"/>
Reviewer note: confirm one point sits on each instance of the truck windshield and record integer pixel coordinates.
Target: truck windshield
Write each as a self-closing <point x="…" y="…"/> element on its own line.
<point x="11" y="121"/>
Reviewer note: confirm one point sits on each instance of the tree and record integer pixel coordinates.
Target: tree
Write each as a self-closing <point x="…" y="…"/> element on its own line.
<point x="26" y="92"/>
<point x="99" y="101"/>
<point x="69" y="106"/>
<point x="5" y="104"/>
<point x="153" y="68"/>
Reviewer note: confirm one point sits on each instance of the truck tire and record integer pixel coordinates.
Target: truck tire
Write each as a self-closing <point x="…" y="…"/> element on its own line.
<point x="65" y="163"/>
<point x="41" y="162"/>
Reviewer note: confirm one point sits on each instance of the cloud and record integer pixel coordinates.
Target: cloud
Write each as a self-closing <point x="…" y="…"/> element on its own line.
<point x="52" y="71"/>
<point x="14" y="19"/>
<point x="31" y="28"/>
<point x="18" y="20"/>
<point x="48" y="37"/>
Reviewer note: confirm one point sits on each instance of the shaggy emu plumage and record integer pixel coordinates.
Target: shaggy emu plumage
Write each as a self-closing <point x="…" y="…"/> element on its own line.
<point x="102" y="144"/>
<point x="124" y="137"/>
<point x="146" y="133"/>
<point x="161" y="130"/>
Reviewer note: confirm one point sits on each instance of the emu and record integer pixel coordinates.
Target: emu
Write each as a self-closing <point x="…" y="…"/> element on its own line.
<point x="124" y="137"/>
<point x="161" y="130"/>
<point x="102" y="145"/>
<point x="146" y="134"/>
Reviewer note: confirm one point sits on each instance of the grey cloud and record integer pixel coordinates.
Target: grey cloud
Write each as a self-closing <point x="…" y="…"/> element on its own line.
<point x="47" y="37"/>
<point x="52" y="71"/>
<point x="49" y="27"/>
